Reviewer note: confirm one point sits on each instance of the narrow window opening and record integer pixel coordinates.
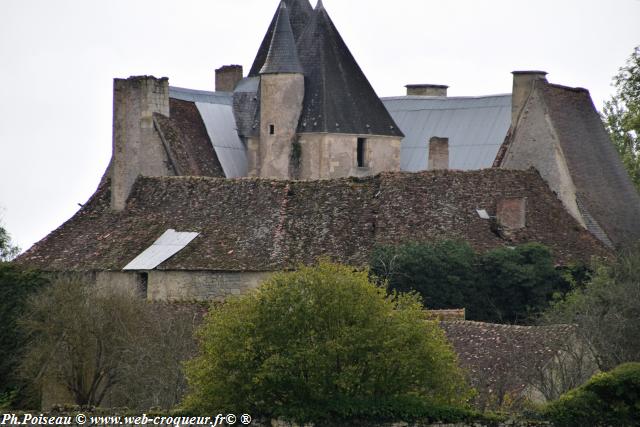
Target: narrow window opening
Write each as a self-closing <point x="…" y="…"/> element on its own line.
<point x="143" y="280"/>
<point x="272" y="129"/>
<point x="361" y="152"/>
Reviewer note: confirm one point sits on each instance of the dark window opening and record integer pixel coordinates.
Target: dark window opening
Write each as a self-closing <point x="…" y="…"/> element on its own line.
<point x="272" y="129"/>
<point x="362" y="151"/>
<point x="143" y="283"/>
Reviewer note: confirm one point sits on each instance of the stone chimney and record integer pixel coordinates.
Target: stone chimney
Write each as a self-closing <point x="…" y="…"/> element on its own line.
<point x="427" y="90"/>
<point x="438" y="153"/>
<point x="228" y="77"/>
<point x="137" y="147"/>
<point x="523" y="83"/>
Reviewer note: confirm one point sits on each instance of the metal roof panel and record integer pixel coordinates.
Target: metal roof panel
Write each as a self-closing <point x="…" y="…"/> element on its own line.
<point x="167" y="245"/>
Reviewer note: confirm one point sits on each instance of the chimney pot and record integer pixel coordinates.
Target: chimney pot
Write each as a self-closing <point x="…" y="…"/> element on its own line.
<point x="427" y="90"/>
<point x="228" y="77"/>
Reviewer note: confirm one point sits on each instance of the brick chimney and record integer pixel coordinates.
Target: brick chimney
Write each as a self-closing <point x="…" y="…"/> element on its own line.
<point x="137" y="147"/>
<point x="427" y="90"/>
<point x="228" y="77"/>
<point x="523" y="83"/>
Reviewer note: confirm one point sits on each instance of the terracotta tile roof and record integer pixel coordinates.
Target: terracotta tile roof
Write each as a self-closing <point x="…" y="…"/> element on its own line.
<point x="264" y="225"/>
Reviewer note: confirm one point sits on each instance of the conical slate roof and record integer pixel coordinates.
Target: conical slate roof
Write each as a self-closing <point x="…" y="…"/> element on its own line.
<point x="300" y="12"/>
<point x="338" y="96"/>
<point x="283" y="55"/>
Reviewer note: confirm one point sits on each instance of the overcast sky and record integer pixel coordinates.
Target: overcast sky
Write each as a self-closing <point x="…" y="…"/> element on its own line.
<point x="58" y="59"/>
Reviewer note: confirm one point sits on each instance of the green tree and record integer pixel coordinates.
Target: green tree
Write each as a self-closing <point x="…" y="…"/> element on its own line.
<point x="321" y="343"/>
<point x="16" y="285"/>
<point x="622" y="115"/>
<point x="504" y="285"/>
<point x="606" y="311"/>
<point x="7" y="250"/>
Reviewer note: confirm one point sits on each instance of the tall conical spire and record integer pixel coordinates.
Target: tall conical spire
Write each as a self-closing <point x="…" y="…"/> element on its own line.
<point x="283" y="54"/>
<point x="300" y="12"/>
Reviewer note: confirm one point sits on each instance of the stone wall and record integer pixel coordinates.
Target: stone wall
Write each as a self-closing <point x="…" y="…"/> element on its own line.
<point x="327" y="156"/>
<point x="137" y="147"/>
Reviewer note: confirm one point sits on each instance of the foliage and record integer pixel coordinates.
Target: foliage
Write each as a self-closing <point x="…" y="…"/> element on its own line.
<point x="7" y="250"/>
<point x="98" y="341"/>
<point x="607" y="399"/>
<point x="622" y="115"/>
<point x="16" y="284"/>
<point x="502" y="285"/>
<point x="606" y="311"/>
<point x="319" y="343"/>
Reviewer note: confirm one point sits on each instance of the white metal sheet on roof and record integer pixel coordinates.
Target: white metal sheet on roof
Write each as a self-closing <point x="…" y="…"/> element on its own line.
<point x="476" y="128"/>
<point x="223" y="133"/>
<point x="192" y="95"/>
<point x="169" y="244"/>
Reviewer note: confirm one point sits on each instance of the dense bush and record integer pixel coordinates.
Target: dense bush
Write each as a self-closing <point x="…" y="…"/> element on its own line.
<point x="16" y="284"/>
<point x="509" y="285"/>
<point x="608" y="399"/>
<point x="322" y="343"/>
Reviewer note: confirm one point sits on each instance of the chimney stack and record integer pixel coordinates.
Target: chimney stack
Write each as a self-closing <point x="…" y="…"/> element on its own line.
<point x="137" y="147"/>
<point x="523" y="84"/>
<point x="427" y="90"/>
<point x="228" y="77"/>
<point x="438" y="153"/>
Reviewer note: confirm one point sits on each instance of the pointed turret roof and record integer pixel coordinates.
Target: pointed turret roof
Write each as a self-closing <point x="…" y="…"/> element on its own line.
<point x="338" y="96"/>
<point x="300" y="12"/>
<point x="283" y="55"/>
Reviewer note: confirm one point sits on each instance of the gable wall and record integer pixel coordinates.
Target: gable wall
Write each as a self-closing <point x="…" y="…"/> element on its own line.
<point x="535" y="144"/>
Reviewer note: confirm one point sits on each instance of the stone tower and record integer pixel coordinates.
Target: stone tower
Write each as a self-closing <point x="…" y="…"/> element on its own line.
<point x="281" y="97"/>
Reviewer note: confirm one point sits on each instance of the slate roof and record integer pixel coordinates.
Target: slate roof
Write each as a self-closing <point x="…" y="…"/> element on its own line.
<point x="300" y="12"/>
<point x="476" y="128"/>
<point x="283" y="54"/>
<point x="502" y="358"/>
<point x="338" y="96"/>
<point x="265" y="225"/>
<point x="602" y="183"/>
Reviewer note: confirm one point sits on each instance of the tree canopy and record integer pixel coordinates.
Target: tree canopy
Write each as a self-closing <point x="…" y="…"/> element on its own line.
<point x="7" y="250"/>
<point x="622" y="115"/>
<point x="504" y="285"/>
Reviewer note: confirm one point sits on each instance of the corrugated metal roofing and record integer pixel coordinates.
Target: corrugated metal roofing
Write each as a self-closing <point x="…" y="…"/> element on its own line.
<point x="222" y="130"/>
<point x="476" y="128"/>
<point x="167" y="245"/>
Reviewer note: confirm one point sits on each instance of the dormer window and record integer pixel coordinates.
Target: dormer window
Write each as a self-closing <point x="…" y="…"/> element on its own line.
<point x="361" y="154"/>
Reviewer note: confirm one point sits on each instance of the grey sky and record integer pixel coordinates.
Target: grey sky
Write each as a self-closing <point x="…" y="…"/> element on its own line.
<point x="58" y="59"/>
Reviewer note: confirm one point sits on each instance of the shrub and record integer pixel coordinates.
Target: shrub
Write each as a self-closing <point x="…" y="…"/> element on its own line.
<point x="320" y="343"/>
<point x="608" y="399"/>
